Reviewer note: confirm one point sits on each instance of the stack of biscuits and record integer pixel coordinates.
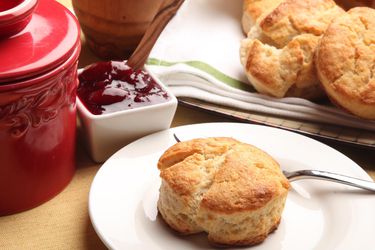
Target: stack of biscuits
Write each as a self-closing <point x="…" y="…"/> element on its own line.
<point x="311" y="49"/>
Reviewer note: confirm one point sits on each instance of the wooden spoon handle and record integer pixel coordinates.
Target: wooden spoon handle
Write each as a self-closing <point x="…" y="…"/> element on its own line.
<point x="141" y="53"/>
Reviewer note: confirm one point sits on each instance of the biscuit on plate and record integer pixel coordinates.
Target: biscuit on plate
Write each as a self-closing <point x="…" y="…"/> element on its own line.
<point x="252" y="9"/>
<point x="345" y="61"/>
<point x="231" y="190"/>
<point x="278" y="55"/>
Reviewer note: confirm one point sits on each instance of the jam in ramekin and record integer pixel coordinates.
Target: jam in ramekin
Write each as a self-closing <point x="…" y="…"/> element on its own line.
<point x="108" y="87"/>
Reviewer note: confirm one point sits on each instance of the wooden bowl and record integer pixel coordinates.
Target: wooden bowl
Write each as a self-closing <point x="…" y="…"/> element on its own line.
<point x="113" y="28"/>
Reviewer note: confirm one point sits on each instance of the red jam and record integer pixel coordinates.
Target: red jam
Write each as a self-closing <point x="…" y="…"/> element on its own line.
<point x="9" y="4"/>
<point x="107" y="87"/>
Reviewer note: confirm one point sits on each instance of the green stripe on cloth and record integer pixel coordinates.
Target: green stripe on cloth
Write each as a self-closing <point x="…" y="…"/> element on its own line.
<point x="208" y="69"/>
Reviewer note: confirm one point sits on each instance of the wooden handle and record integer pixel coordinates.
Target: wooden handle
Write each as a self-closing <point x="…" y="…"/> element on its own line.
<point x="162" y="18"/>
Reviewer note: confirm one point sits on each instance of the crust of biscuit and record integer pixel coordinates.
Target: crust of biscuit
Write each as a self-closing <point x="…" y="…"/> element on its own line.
<point x="179" y="152"/>
<point x="220" y="185"/>
<point x="184" y="175"/>
<point x="282" y="72"/>
<point x="348" y="4"/>
<point x="295" y="17"/>
<point x="238" y="187"/>
<point x="253" y="9"/>
<point x="245" y="242"/>
<point x="278" y="55"/>
<point x="345" y="61"/>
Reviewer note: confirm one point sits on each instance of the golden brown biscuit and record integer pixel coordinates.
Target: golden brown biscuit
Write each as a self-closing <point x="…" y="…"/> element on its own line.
<point x="289" y="71"/>
<point x="348" y="4"/>
<point x="278" y="53"/>
<point x="345" y="61"/>
<point x="233" y="191"/>
<point x="295" y="17"/>
<point x="252" y="9"/>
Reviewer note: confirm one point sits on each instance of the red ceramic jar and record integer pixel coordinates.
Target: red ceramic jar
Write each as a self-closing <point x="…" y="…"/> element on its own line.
<point x="15" y="15"/>
<point x="38" y="81"/>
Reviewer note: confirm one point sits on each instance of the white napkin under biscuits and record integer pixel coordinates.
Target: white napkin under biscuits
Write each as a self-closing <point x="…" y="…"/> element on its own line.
<point x="197" y="56"/>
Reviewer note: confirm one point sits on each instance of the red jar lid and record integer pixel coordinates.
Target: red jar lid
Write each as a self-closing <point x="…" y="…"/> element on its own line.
<point x="46" y="42"/>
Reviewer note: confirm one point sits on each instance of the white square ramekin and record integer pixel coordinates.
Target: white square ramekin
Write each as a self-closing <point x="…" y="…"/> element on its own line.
<point x="107" y="133"/>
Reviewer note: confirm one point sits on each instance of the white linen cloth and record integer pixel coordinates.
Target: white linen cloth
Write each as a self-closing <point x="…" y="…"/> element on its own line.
<point x="197" y="56"/>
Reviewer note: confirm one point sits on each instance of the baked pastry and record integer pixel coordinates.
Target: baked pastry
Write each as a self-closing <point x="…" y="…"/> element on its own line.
<point x="278" y="53"/>
<point x="233" y="191"/>
<point x="252" y="9"/>
<point x="348" y="4"/>
<point x="345" y="61"/>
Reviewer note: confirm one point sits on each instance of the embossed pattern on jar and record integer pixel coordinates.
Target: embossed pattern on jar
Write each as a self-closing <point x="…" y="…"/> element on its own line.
<point x="37" y="131"/>
<point x="37" y="105"/>
<point x="38" y="83"/>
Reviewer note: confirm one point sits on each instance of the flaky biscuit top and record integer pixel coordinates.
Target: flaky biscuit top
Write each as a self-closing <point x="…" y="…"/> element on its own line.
<point x="346" y="55"/>
<point x="253" y="9"/>
<point x="292" y="18"/>
<point x="232" y="176"/>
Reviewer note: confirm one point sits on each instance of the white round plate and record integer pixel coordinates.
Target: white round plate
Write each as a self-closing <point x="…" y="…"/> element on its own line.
<point x="317" y="215"/>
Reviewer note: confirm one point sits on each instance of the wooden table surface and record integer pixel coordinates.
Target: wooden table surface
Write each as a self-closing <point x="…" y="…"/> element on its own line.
<point x="63" y="222"/>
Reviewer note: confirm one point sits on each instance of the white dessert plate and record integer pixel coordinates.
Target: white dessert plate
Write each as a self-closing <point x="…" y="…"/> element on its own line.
<point x="317" y="215"/>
